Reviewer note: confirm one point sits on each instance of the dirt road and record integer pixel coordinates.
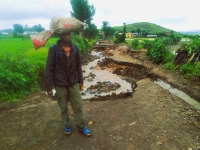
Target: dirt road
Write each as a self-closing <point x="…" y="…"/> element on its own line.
<point x="151" y="119"/>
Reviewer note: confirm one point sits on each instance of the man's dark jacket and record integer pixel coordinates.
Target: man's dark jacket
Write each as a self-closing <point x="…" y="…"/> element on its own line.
<point x="61" y="71"/>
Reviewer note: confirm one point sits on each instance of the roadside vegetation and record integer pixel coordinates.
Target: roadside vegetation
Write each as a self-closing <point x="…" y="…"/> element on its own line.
<point x="184" y="60"/>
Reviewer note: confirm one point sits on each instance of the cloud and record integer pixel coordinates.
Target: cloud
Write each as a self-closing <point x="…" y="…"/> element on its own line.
<point x="32" y="12"/>
<point x="176" y="15"/>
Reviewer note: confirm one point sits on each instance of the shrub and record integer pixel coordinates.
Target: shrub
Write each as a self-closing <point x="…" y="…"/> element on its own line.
<point x="147" y="44"/>
<point x="135" y="43"/>
<point x="190" y="70"/>
<point x="120" y="38"/>
<point x="168" y="57"/>
<point x="158" y="51"/>
<point x="18" y="77"/>
<point x="82" y="43"/>
<point x="169" y="65"/>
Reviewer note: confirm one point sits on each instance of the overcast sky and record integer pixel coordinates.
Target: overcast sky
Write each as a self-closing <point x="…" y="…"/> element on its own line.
<point x="178" y="15"/>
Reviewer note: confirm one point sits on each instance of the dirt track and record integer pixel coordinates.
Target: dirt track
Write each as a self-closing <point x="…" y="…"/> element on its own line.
<point x="151" y="119"/>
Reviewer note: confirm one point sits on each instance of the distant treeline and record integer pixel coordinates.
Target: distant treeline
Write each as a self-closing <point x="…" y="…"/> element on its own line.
<point x="21" y="29"/>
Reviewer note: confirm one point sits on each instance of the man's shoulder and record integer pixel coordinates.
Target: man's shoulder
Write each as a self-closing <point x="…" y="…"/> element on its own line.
<point x="54" y="46"/>
<point x="73" y="44"/>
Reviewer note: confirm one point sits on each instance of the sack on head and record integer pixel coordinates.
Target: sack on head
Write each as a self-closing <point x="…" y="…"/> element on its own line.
<point x="57" y="25"/>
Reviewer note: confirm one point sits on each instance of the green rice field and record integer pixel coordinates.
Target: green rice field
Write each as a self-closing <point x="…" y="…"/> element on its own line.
<point x="21" y="45"/>
<point x="129" y="40"/>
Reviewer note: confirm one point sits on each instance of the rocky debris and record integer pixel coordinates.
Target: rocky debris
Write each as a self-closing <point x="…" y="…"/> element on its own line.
<point x="124" y="49"/>
<point x="103" y="87"/>
<point x="113" y="96"/>
<point x="103" y="45"/>
<point x="106" y="87"/>
<point x="104" y="42"/>
<point x="88" y="57"/>
<point x="90" y="77"/>
<point x="107" y="53"/>
<point x="124" y="69"/>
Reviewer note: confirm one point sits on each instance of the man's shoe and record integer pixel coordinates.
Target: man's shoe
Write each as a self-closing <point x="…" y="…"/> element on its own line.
<point x="68" y="131"/>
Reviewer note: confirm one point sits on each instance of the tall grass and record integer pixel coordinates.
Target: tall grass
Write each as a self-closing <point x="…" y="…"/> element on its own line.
<point x="20" y="67"/>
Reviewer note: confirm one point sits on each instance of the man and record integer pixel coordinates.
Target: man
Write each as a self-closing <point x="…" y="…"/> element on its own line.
<point x="63" y="71"/>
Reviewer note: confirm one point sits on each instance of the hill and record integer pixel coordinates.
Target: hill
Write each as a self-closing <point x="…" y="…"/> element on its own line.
<point x="153" y="28"/>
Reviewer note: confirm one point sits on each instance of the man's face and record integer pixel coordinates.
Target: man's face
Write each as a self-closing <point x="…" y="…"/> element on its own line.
<point x="65" y="37"/>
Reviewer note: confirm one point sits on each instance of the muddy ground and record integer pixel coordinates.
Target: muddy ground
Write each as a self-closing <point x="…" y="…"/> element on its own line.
<point x="149" y="118"/>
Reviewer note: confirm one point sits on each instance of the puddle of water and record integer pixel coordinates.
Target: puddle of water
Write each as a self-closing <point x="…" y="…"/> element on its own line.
<point x="102" y="76"/>
<point x="180" y="94"/>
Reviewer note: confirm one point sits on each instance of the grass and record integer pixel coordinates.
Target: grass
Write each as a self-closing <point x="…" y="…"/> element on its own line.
<point x="13" y="45"/>
<point x="24" y="47"/>
<point x="129" y="40"/>
<point x="21" y="66"/>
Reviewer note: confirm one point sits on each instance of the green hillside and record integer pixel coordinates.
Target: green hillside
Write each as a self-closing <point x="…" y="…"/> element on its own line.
<point x="153" y="28"/>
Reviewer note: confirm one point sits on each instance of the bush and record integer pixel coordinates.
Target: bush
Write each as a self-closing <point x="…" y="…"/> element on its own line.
<point x="158" y="51"/>
<point x="18" y="77"/>
<point x="190" y="70"/>
<point x="147" y="44"/>
<point x="120" y="38"/>
<point x="169" y="57"/>
<point x="170" y="66"/>
<point x="135" y="44"/>
<point x="82" y="43"/>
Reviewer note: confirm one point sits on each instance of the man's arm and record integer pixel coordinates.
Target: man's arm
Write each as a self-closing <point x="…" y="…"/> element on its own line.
<point x="78" y="67"/>
<point x="50" y="63"/>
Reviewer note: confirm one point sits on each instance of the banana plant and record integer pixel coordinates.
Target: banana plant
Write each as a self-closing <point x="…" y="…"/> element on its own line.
<point x="195" y="49"/>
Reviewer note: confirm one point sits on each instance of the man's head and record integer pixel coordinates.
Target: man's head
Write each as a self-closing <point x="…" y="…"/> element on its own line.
<point x="65" y="37"/>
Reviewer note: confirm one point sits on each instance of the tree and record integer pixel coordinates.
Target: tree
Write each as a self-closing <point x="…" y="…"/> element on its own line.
<point x="25" y="27"/>
<point x="144" y="33"/>
<point x="82" y="10"/>
<point x="18" y="28"/>
<point x="133" y="31"/>
<point x="175" y="37"/>
<point x="91" y="31"/>
<point x="138" y="30"/>
<point x="124" y="28"/>
<point x="107" y="29"/>
<point x="120" y="37"/>
<point x="38" y="28"/>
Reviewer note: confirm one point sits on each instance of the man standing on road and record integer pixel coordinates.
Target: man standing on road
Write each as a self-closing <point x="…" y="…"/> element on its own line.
<point x="64" y="73"/>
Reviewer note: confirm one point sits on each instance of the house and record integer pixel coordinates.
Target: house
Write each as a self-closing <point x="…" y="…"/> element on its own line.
<point x="152" y="36"/>
<point x="134" y="34"/>
<point x="29" y="32"/>
<point x="129" y="35"/>
<point x="120" y="33"/>
<point x="5" y="33"/>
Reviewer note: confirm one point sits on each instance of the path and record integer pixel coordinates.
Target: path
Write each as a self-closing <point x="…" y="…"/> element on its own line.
<point x="152" y="119"/>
